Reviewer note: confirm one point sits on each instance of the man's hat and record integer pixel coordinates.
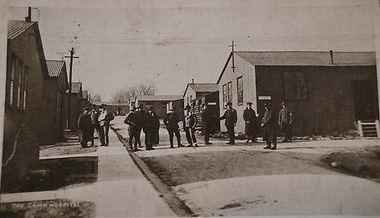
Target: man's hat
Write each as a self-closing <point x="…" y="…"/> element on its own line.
<point x="229" y="103"/>
<point x="187" y="107"/>
<point x="151" y="108"/>
<point x="249" y="103"/>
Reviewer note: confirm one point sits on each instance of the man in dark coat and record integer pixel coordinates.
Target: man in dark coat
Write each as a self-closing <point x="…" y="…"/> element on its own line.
<point x="150" y="125"/>
<point x="95" y="123"/>
<point x="269" y="124"/>
<point x="171" y="122"/>
<point x="285" y="122"/>
<point x="190" y="123"/>
<point x="131" y="121"/>
<point x="155" y="126"/>
<point x="207" y="119"/>
<point x="85" y="127"/>
<point x="230" y="117"/>
<point x="250" y="120"/>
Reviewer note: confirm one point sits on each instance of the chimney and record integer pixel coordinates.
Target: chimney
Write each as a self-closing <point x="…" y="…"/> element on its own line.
<point x="192" y="81"/>
<point x="29" y="17"/>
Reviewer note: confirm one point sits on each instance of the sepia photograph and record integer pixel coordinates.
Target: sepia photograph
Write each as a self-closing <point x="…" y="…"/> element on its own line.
<point x="189" y="108"/>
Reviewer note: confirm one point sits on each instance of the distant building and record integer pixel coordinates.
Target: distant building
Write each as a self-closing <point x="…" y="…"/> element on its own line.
<point x="328" y="92"/>
<point x="55" y="88"/>
<point x="120" y="109"/>
<point x="161" y="103"/>
<point x="24" y="96"/>
<point x="198" y="93"/>
<point x="76" y="105"/>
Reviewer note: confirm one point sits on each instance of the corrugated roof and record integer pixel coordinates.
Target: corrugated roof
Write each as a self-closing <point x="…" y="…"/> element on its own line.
<point x="159" y="97"/>
<point x="54" y="67"/>
<point x="85" y="94"/>
<point x="16" y="27"/>
<point x="76" y="87"/>
<point x="307" y="58"/>
<point x="204" y="87"/>
<point x="304" y="58"/>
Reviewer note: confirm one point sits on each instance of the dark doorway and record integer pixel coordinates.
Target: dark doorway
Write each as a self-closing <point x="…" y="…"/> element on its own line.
<point x="365" y="100"/>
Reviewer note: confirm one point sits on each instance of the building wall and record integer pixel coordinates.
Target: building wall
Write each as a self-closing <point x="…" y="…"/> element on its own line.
<point x="76" y="109"/>
<point x="189" y="92"/>
<point x="247" y="72"/>
<point x="50" y="107"/>
<point x="329" y="106"/>
<point x="23" y="126"/>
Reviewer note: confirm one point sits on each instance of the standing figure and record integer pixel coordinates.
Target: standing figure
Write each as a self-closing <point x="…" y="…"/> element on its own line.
<point x="250" y="120"/>
<point x="104" y="120"/>
<point x="285" y="122"/>
<point x="148" y="130"/>
<point x="190" y="123"/>
<point x="155" y="126"/>
<point x="85" y="126"/>
<point x="207" y="119"/>
<point x="230" y="116"/>
<point x="171" y="122"/>
<point x="130" y="120"/>
<point x="268" y="122"/>
<point x="140" y="120"/>
<point x="95" y="123"/>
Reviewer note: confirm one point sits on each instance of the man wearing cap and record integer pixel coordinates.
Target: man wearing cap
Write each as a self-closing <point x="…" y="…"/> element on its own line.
<point x="268" y="122"/>
<point x="285" y="122"/>
<point x="85" y="125"/>
<point x="230" y="117"/>
<point x="151" y="125"/>
<point x="130" y="120"/>
<point x="95" y="124"/>
<point x="171" y="122"/>
<point x="250" y="120"/>
<point x="190" y="123"/>
<point x="104" y="120"/>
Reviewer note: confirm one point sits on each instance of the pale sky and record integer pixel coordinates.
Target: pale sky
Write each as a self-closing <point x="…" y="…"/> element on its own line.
<point x="167" y="43"/>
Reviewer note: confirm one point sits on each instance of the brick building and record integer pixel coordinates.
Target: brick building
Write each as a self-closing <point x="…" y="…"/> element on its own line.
<point x="328" y="92"/>
<point x="23" y="118"/>
<point x="55" y="88"/>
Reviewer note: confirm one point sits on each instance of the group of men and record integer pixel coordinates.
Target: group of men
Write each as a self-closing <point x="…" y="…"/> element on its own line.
<point x="269" y="124"/>
<point x="139" y="120"/>
<point x="93" y="119"/>
<point x="147" y="121"/>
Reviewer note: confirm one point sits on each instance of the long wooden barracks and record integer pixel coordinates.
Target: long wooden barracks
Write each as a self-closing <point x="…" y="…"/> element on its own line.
<point x="328" y="92"/>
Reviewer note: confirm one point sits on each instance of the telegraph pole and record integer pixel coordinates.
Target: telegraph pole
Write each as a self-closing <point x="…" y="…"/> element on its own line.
<point x="72" y="51"/>
<point x="233" y="55"/>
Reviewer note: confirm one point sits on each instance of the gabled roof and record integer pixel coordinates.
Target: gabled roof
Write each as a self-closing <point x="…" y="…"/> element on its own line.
<point x="202" y="87"/>
<point x="16" y="27"/>
<point x="159" y="97"/>
<point x="76" y="88"/>
<point x="304" y="58"/>
<point x="54" y="67"/>
<point x="85" y="94"/>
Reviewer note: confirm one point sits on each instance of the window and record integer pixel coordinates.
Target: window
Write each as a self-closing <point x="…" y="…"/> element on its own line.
<point x="18" y="84"/>
<point x="25" y="87"/>
<point x="12" y="80"/>
<point x="20" y="70"/>
<point x="224" y="95"/>
<point x="229" y="92"/>
<point x="240" y="90"/>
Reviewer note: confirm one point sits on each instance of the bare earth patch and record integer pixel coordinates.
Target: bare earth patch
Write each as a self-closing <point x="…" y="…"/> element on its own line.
<point x="68" y="148"/>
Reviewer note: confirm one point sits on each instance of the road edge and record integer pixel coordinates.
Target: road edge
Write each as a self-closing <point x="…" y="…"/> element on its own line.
<point x="177" y="205"/>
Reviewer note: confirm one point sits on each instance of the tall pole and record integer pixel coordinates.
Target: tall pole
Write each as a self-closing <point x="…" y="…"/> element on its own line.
<point x="72" y="51"/>
<point x="233" y="55"/>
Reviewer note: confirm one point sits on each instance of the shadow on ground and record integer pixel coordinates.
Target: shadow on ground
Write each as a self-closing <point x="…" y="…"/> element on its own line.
<point x="53" y="174"/>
